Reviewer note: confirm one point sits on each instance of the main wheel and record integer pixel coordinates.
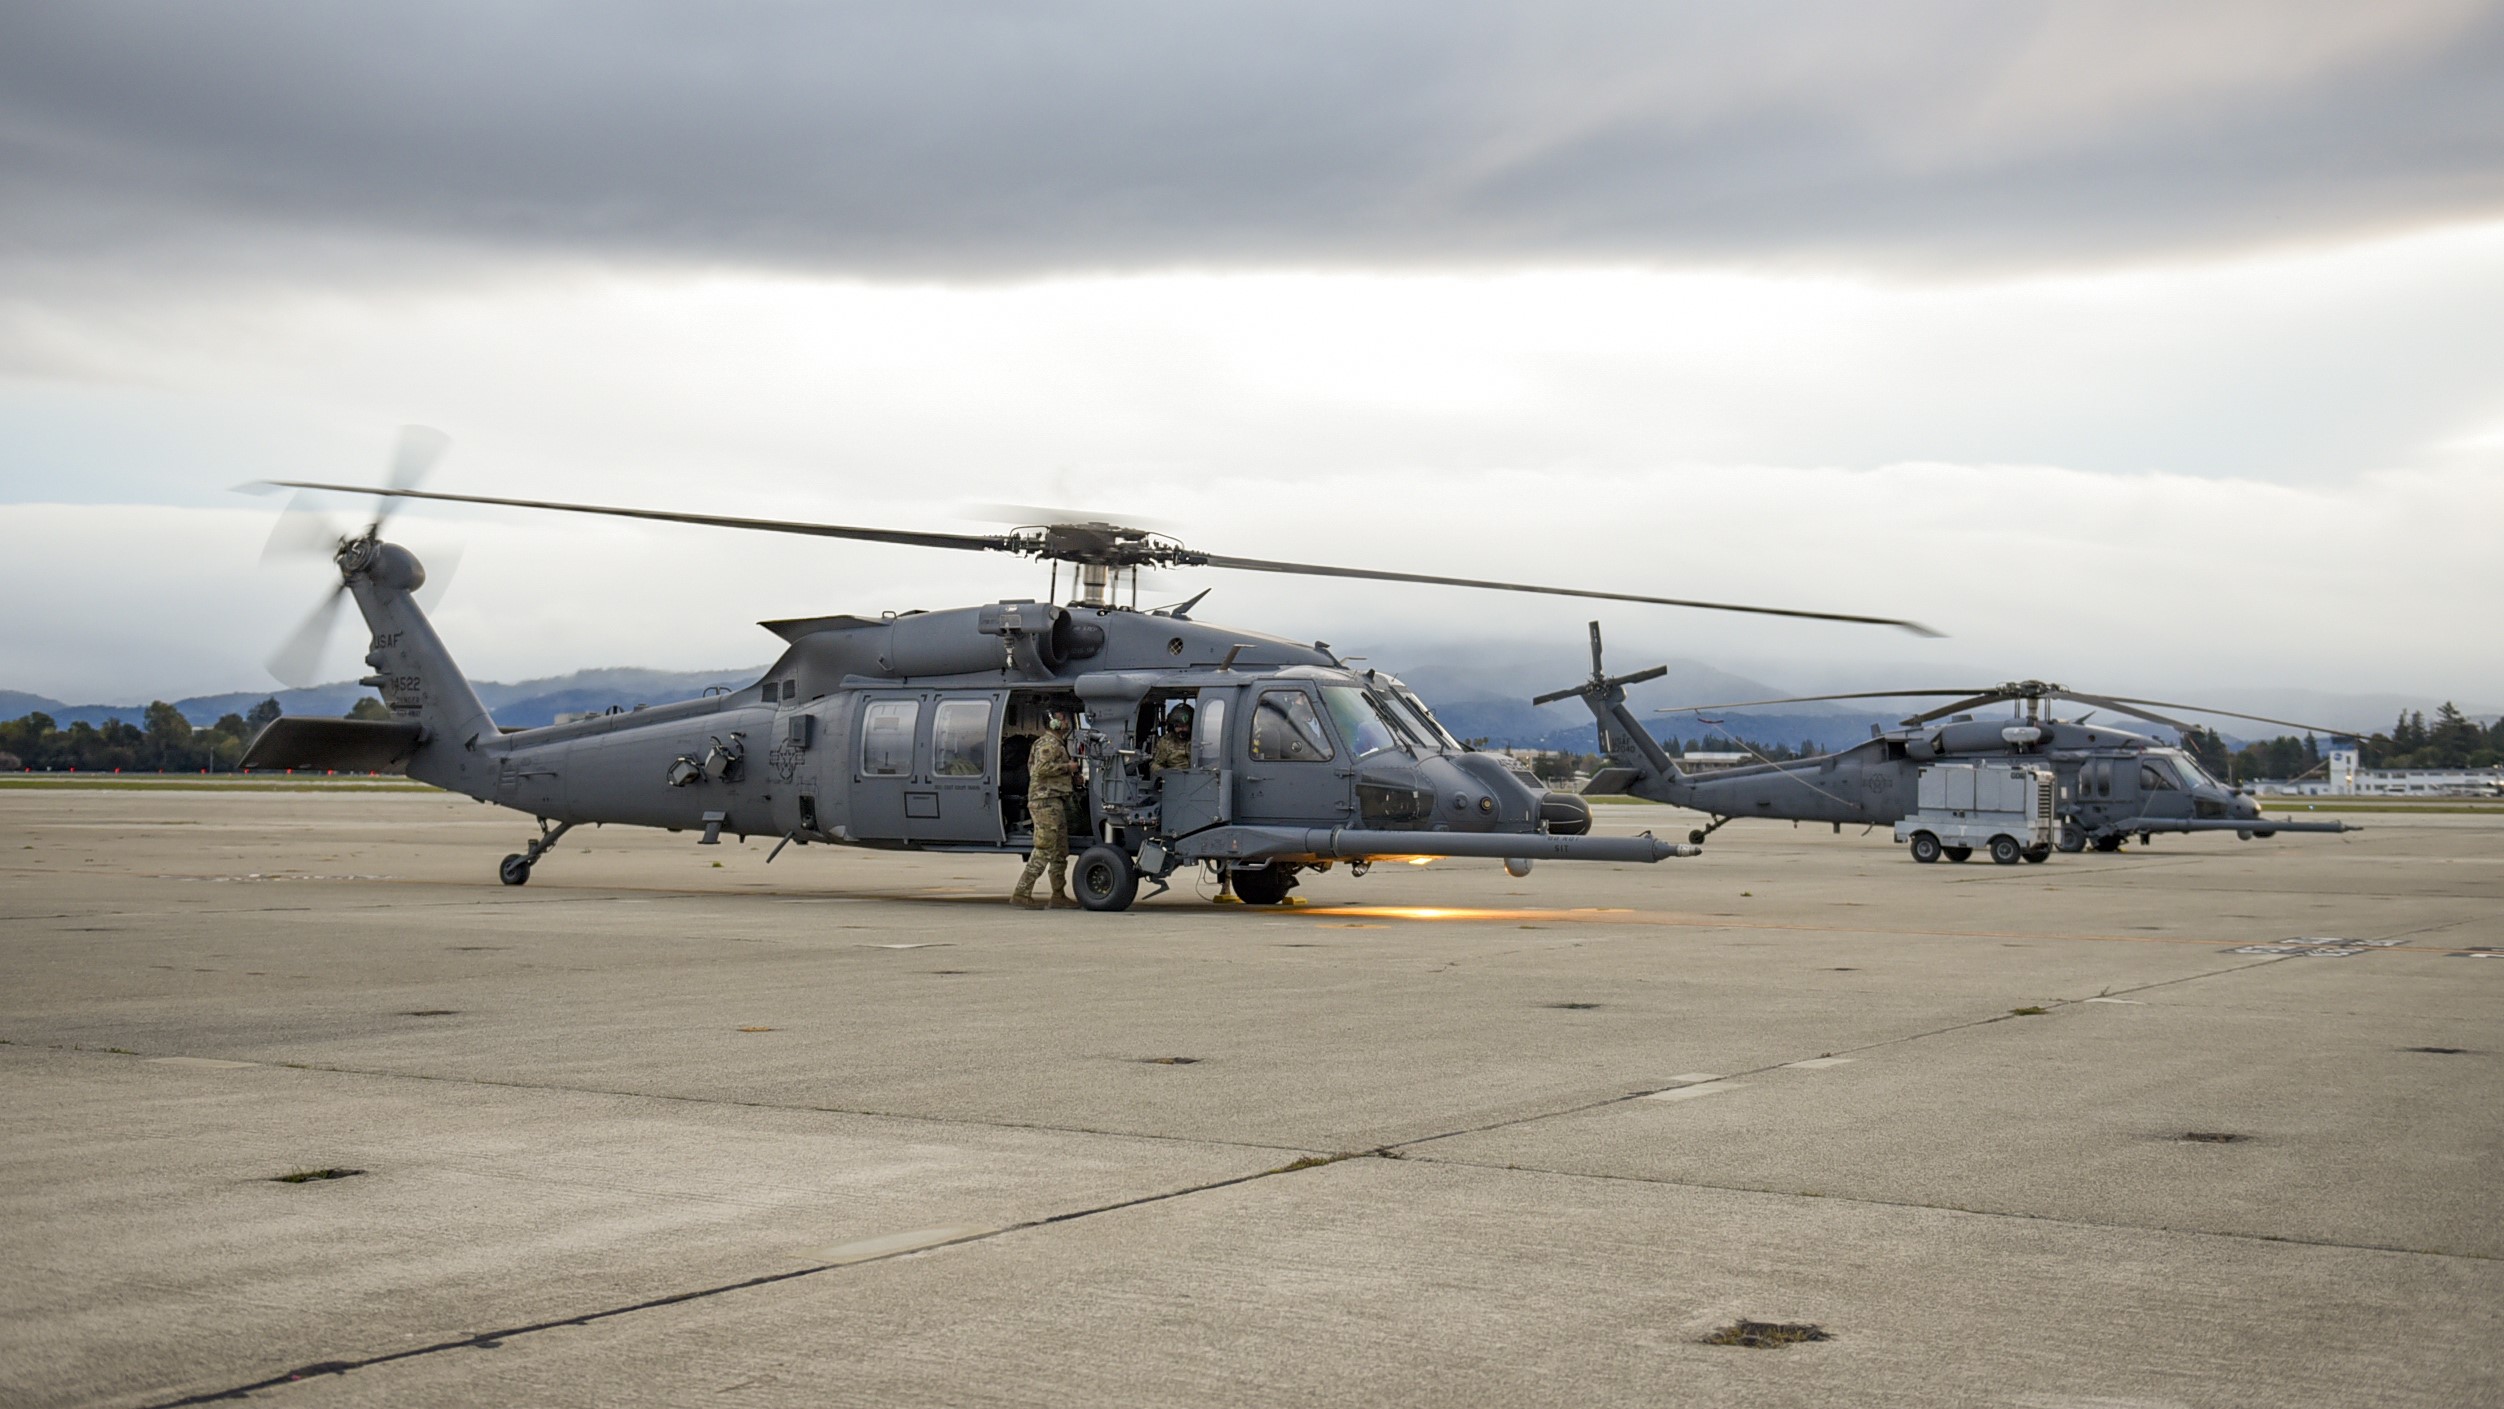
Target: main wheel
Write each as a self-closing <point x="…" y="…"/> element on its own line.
<point x="2037" y="855"/>
<point x="2109" y="843"/>
<point x="1958" y="853"/>
<point x="2005" y="851"/>
<point x="514" y="870"/>
<point x="1925" y="848"/>
<point x="2072" y="839"/>
<point x="1105" y="879"/>
<point x="1266" y="886"/>
<point x="2263" y="834"/>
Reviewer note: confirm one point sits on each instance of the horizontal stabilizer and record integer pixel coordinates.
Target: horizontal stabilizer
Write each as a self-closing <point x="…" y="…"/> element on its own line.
<point x="349" y="745"/>
<point x="1610" y="782"/>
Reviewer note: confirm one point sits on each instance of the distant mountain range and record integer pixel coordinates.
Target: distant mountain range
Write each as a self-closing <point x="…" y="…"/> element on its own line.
<point x="1487" y="698"/>
<point x="523" y="704"/>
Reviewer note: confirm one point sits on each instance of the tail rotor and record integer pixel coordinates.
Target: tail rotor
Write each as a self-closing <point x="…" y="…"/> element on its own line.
<point x="306" y="529"/>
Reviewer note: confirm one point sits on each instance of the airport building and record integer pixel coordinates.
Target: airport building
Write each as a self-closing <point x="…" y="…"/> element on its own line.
<point x="2344" y="778"/>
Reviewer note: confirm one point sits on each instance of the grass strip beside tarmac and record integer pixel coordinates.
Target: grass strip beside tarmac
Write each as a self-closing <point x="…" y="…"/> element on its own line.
<point x="213" y="783"/>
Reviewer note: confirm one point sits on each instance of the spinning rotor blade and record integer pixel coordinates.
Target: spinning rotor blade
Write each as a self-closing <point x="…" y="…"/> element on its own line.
<point x="412" y="459"/>
<point x="1219" y="560"/>
<point x="300" y="656"/>
<point x="1812" y="699"/>
<point x="302" y="531"/>
<point x="1987" y="697"/>
<point x="965" y="541"/>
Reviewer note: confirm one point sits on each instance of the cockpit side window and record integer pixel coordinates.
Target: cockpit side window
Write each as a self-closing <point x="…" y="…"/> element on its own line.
<point x="2155" y="777"/>
<point x="1286" y="728"/>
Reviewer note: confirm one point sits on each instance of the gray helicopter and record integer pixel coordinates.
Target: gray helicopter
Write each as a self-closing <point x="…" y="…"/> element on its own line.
<point x="2113" y="784"/>
<point x="912" y="729"/>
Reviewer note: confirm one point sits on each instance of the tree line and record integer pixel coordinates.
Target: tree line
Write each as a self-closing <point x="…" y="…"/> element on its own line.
<point x="163" y="742"/>
<point x="2452" y="740"/>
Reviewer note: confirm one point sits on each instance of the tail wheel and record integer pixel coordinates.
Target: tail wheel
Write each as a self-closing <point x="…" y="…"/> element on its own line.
<point x="514" y="870"/>
<point x="1105" y="879"/>
<point x="1266" y="886"/>
<point x="2005" y="851"/>
<point x="1925" y="848"/>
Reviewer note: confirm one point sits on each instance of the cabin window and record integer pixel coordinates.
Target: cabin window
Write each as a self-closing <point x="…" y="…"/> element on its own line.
<point x="1208" y="732"/>
<point x="791" y="689"/>
<point x="887" y="737"/>
<point x="1287" y="729"/>
<point x="960" y="739"/>
<point x="1360" y="722"/>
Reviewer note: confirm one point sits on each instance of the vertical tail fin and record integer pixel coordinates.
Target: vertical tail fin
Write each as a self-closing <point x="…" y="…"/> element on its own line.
<point x="1623" y="739"/>
<point x="415" y="675"/>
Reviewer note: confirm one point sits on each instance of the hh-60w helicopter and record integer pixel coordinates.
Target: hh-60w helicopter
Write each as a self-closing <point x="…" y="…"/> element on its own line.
<point x="2113" y="784"/>
<point x="912" y="729"/>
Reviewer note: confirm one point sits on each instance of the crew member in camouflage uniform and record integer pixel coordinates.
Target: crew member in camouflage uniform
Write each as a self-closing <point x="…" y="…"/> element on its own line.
<point x="1173" y="746"/>
<point x="1050" y="782"/>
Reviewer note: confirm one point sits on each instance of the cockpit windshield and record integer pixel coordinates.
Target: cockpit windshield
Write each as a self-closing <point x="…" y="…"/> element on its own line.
<point x="2188" y="769"/>
<point x="1359" y="719"/>
<point x="1411" y="712"/>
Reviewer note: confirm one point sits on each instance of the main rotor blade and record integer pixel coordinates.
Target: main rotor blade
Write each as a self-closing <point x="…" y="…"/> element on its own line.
<point x="1976" y="701"/>
<point x="300" y="655"/>
<point x="2226" y="714"/>
<point x="2131" y="710"/>
<point x="963" y="541"/>
<point x="1812" y="699"/>
<point x="1219" y="560"/>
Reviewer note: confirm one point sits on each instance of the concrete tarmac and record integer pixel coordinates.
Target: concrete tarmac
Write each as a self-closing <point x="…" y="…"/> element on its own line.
<point x="669" y="1126"/>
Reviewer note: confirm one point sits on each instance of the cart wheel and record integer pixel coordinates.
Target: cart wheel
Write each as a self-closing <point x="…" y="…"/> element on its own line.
<point x="2004" y="851"/>
<point x="1958" y="853"/>
<point x="1925" y="848"/>
<point x="1105" y="879"/>
<point x="514" y="870"/>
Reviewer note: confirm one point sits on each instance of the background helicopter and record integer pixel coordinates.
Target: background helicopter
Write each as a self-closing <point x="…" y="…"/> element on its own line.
<point x="911" y="730"/>
<point x="2113" y="783"/>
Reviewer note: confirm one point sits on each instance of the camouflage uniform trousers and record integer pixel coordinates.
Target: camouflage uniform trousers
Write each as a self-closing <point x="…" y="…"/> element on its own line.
<point x="1051" y="823"/>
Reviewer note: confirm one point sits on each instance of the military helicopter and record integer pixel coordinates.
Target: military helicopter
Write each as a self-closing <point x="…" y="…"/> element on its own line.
<point x="2113" y="784"/>
<point x="912" y="729"/>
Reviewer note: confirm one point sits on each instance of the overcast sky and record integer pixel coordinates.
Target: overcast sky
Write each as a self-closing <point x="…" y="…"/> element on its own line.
<point x="2154" y="347"/>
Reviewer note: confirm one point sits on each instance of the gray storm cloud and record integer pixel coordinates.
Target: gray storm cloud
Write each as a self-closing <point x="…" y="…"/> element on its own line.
<point x="1020" y="140"/>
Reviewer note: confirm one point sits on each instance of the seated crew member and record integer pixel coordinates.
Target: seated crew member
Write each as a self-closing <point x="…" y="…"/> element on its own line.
<point x="1173" y="746"/>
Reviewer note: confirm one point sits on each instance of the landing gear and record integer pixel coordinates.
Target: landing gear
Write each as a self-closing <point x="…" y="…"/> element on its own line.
<point x="514" y="870"/>
<point x="2005" y="851"/>
<point x="1925" y="848"/>
<point x="1696" y="837"/>
<point x="1959" y="853"/>
<point x="2072" y="839"/>
<point x="1105" y="879"/>
<point x="2108" y="843"/>
<point x="1266" y="885"/>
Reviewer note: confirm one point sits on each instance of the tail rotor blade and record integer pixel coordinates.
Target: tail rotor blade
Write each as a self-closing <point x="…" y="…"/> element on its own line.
<point x="297" y="660"/>
<point x="413" y="458"/>
<point x="302" y="531"/>
<point x="441" y="568"/>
